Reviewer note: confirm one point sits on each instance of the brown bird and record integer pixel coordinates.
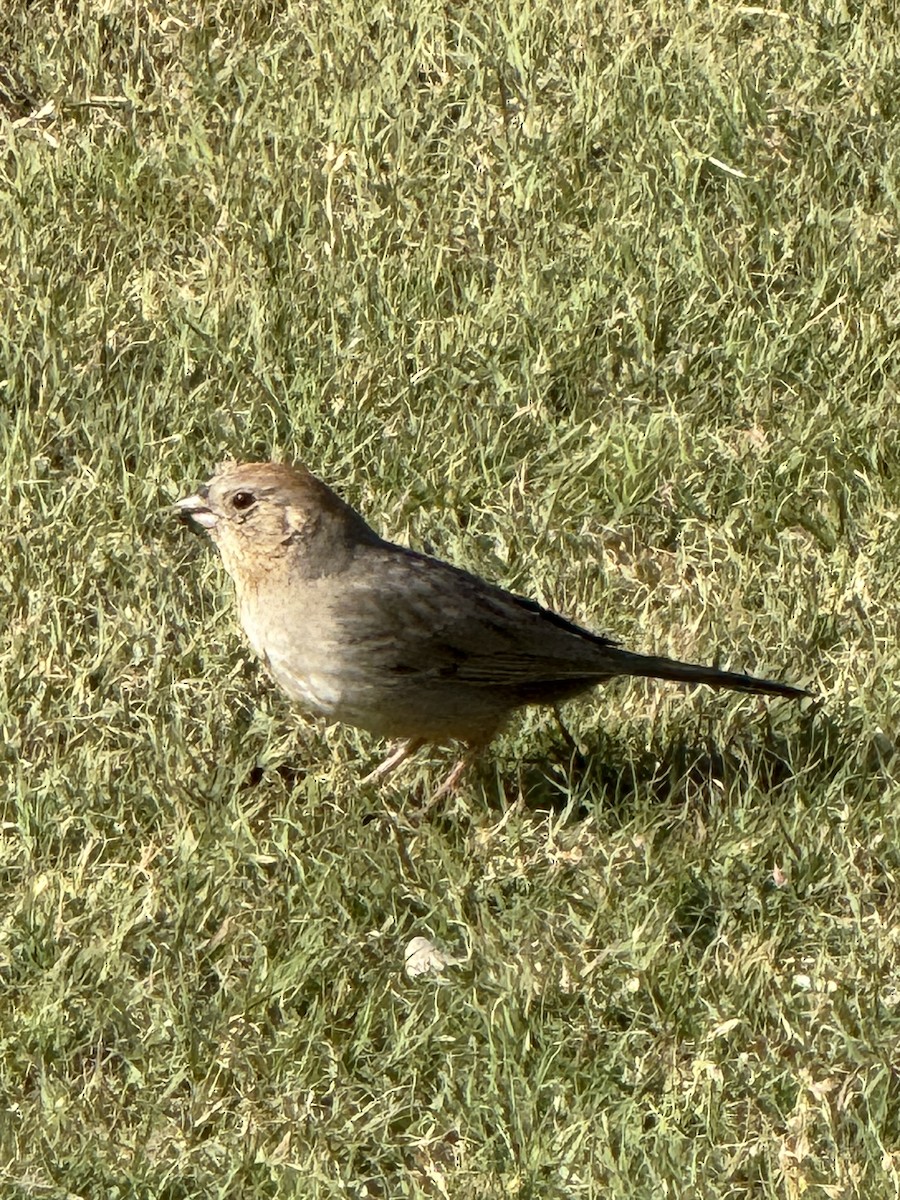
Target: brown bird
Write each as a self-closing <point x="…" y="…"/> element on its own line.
<point x="361" y="631"/>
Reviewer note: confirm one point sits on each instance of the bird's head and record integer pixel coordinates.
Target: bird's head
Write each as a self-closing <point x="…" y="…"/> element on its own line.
<point x="261" y="514"/>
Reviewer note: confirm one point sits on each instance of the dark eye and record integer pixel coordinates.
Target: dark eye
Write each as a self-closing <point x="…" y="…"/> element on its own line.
<point x="242" y="500"/>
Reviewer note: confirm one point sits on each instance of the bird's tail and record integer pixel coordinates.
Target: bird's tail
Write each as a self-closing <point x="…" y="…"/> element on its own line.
<point x="680" y="672"/>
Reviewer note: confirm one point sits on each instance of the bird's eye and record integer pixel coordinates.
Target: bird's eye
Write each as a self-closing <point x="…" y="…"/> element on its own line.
<point x="242" y="500"/>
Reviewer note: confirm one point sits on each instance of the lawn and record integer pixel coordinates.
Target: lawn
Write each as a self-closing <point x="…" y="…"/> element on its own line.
<point x="601" y="302"/>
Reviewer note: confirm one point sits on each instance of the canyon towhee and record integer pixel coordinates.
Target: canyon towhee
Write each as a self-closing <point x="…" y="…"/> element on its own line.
<point x="361" y="631"/>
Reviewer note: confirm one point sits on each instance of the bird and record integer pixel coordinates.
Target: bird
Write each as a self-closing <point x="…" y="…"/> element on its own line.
<point x="367" y="633"/>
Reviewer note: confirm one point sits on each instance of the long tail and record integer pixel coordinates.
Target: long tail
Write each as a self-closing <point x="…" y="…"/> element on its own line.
<point x="680" y="672"/>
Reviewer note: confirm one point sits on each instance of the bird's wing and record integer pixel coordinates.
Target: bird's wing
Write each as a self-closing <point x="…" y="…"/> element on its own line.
<point x="445" y="622"/>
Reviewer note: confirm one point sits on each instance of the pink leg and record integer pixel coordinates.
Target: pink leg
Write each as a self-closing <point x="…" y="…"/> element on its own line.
<point x="460" y="767"/>
<point x="399" y="754"/>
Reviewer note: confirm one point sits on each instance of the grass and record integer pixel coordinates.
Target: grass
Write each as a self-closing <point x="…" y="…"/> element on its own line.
<point x="601" y="302"/>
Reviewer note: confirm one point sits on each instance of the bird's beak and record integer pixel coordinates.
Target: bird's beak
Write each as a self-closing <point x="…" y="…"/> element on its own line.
<point x="196" y="508"/>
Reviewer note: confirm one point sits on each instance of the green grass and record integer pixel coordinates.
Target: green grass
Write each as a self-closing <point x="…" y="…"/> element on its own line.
<point x="602" y="302"/>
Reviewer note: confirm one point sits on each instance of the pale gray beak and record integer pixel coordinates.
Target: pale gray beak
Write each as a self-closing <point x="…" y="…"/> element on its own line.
<point x="197" y="509"/>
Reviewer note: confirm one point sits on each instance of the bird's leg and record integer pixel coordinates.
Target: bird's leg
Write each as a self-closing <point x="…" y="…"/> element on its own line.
<point x="459" y="769"/>
<point x="473" y="748"/>
<point x="399" y="754"/>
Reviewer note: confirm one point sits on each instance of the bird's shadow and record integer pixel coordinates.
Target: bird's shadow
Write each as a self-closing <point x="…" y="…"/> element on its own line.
<point x="696" y="765"/>
<point x="606" y="773"/>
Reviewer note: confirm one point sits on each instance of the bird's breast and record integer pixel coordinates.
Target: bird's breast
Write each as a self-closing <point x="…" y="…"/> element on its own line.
<point x="286" y="634"/>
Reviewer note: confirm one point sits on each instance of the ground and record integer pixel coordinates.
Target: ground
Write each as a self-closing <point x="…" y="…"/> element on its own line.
<point x="601" y="302"/>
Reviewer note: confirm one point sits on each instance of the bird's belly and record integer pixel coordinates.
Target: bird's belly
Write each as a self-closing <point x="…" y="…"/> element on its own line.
<point x="385" y="709"/>
<point x="314" y="692"/>
<point x="323" y="680"/>
<point x="310" y="684"/>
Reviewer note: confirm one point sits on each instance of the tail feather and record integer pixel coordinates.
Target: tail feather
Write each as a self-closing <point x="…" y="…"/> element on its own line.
<point x="680" y="672"/>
